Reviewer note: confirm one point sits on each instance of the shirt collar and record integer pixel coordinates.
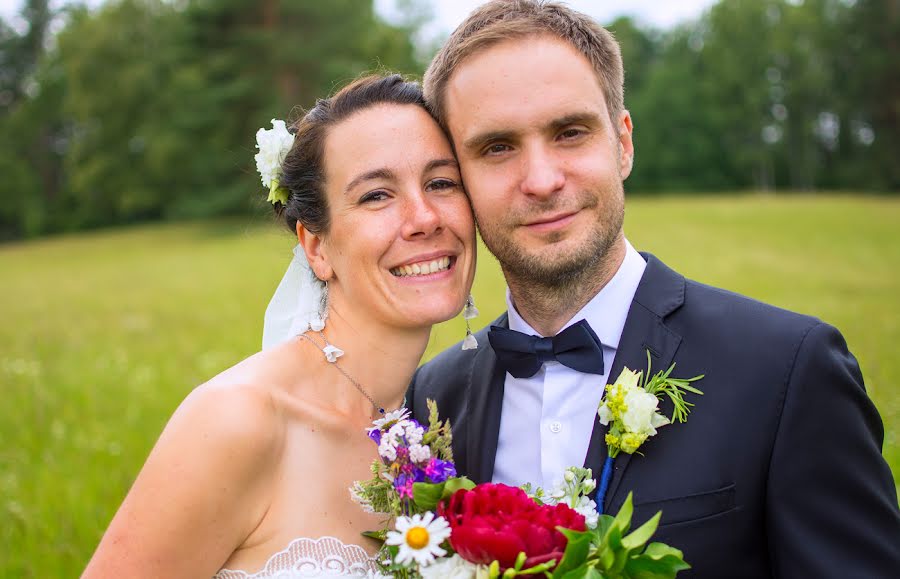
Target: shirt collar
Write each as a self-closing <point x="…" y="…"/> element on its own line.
<point x="606" y="312"/>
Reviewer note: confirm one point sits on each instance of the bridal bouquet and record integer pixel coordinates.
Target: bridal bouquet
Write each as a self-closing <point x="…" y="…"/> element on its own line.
<point x="446" y="526"/>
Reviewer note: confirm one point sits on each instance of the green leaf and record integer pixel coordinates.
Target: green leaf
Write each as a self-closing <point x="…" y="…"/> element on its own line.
<point x="659" y="561"/>
<point x="642" y="534"/>
<point x="427" y="495"/>
<point x="576" y="553"/>
<point x="660" y="550"/>
<point x="451" y="485"/>
<point x="622" y="520"/>
<point x="584" y="572"/>
<point x="379" y="536"/>
<point x="603" y="525"/>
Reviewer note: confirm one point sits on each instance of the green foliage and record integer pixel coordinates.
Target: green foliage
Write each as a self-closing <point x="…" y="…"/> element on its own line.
<point x="438" y="436"/>
<point x="611" y="552"/>
<point x="767" y="94"/>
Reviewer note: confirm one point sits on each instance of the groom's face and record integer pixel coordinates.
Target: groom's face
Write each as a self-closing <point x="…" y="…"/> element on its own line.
<point x="541" y="160"/>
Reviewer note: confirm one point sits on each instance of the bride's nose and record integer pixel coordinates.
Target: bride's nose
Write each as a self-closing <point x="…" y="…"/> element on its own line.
<point x="422" y="217"/>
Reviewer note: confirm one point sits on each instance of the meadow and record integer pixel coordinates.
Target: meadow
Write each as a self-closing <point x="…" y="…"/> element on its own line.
<point x="104" y="333"/>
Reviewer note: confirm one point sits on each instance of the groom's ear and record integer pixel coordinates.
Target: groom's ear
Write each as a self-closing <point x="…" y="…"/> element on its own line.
<point x="626" y="144"/>
<point x="316" y="253"/>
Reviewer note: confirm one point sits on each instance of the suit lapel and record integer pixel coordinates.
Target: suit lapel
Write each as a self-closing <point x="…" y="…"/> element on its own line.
<point x="660" y="292"/>
<point x="485" y="404"/>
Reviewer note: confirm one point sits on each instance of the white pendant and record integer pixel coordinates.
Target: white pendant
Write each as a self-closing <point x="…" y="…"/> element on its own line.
<point x="332" y="353"/>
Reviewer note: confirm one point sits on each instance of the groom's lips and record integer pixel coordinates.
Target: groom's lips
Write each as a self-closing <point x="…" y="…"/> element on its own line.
<point x="552" y="222"/>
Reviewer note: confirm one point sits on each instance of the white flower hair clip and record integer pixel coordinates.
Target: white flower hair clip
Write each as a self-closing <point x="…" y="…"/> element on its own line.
<point x="273" y="145"/>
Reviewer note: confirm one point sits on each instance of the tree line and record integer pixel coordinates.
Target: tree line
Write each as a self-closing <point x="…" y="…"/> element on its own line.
<point x="146" y="109"/>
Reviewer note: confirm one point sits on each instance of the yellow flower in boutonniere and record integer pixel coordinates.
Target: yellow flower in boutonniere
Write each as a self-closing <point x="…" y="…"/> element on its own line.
<point x="630" y="407"/>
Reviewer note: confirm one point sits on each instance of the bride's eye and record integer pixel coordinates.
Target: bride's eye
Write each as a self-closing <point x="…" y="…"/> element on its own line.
<point x="378" y="195"/>
<point x="439" y="184"/>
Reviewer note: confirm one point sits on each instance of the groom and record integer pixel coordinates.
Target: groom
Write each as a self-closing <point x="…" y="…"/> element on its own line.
<point x="778" y="471"/>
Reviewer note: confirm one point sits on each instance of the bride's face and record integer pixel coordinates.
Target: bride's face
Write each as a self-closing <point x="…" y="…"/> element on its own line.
<point x="401" y="241"/>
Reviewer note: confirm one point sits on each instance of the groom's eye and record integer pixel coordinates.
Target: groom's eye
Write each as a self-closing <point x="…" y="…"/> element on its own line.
<point x="496" y="149"/>
<point x="571" y="133"/>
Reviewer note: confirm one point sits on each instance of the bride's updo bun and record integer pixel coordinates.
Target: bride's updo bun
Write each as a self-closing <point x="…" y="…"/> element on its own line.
<point x="303" y="169"/>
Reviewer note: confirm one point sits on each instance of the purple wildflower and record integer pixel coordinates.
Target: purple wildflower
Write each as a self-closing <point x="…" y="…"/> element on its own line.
<point x="404" y="486"/>
<point x="439" y="470"/>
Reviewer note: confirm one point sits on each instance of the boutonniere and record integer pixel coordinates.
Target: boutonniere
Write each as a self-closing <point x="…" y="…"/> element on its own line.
<point x="630" y="410"/>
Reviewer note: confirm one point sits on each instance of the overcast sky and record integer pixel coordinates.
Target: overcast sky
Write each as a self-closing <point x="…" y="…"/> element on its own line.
<point x="449" y="13"/>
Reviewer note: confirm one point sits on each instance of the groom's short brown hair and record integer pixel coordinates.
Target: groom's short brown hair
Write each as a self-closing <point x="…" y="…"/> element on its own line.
<point x="501" y="20"/>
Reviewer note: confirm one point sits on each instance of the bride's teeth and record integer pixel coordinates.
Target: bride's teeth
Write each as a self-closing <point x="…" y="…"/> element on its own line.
<point x="423" y="268"/>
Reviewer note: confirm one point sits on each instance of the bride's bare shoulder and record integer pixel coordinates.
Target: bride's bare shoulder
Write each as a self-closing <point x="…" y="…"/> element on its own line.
<point x="231" y="420"/>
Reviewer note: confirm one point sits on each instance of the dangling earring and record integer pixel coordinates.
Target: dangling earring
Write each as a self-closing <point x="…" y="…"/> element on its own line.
<point x="469" y="312"/>
<point x="318" y="324"/>
<point x="332" y="352"/>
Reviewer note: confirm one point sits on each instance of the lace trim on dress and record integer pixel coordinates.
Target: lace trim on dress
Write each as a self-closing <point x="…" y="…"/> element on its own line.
<point x="322" y="557"/>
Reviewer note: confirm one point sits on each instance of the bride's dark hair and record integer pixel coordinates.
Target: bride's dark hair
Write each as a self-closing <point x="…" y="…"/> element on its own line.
<point x="303" y="169"/>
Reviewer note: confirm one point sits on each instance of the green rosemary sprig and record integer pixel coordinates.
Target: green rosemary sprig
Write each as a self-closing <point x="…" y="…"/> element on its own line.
<point x="661" y="384"/>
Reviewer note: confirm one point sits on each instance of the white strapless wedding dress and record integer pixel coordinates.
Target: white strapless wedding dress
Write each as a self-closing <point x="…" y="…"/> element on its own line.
<point x="313" y="558"/>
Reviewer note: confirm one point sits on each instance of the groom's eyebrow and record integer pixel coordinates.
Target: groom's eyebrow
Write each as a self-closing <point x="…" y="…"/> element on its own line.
<point x="478" y="141"/>
<point x="585" y="118"/>
<point x="375" y="174"/>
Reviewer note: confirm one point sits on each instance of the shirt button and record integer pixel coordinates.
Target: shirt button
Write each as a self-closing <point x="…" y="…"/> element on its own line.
<point x="555" y="427"/>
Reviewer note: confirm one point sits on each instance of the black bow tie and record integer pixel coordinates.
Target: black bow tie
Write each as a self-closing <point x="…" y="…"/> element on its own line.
<point x="577" y="347"/>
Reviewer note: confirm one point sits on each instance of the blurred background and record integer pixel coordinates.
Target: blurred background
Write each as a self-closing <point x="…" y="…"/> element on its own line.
<point x="137" y="254"/>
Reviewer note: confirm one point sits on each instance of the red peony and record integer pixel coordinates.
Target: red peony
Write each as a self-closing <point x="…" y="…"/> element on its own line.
<point x="497" y="522"/>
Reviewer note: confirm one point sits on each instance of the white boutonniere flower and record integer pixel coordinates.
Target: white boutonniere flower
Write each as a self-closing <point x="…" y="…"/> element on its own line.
<point x="630" y="407"/>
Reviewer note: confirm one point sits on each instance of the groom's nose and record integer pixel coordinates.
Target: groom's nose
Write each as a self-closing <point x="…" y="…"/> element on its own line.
<point x="542" y="174"/>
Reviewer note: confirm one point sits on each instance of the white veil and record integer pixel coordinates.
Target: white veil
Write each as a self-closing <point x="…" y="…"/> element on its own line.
<point x="298" y="304"/>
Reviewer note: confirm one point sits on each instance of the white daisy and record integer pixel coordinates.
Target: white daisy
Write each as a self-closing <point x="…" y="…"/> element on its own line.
<point x="391" y="417"/>
<point x="419" y="538"/>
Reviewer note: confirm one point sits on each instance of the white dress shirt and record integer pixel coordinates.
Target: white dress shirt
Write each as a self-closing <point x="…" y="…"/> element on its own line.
<point x="546" y="421"/>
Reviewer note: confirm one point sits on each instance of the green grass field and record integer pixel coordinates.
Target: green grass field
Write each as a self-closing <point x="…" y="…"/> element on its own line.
<point x="103" y="334"/>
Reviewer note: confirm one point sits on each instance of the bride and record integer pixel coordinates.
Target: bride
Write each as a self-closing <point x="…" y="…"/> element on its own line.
<point x="250" y="477"/>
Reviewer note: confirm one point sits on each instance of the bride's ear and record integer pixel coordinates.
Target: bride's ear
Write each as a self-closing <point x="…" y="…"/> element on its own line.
<point x="316" y="253"/>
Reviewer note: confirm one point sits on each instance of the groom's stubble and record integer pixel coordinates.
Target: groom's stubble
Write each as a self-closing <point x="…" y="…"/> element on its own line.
<point x="550" y="275"/>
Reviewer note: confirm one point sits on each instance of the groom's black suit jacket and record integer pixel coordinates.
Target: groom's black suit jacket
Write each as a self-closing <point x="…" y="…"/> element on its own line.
<point x="778" y="472"/>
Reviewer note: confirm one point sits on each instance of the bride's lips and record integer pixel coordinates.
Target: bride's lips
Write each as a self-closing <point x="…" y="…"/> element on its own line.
<point x="551" y="222"/>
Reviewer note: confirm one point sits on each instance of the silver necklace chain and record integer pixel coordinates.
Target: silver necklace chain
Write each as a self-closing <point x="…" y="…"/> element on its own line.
<point x="344" y="372"/>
